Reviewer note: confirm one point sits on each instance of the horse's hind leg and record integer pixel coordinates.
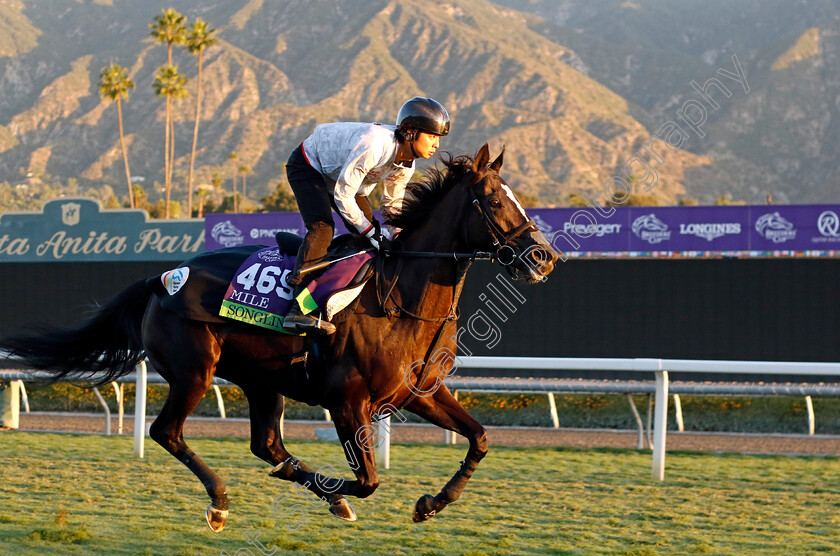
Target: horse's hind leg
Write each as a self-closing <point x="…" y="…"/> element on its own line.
<point x="185" y="354"/>
<point x="266" y="408"/>
<point x="167" y="430"/>
<point x="443" y="410"/>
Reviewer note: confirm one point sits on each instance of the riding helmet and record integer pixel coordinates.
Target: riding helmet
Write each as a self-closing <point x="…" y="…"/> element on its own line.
<point x="424" y="114"/>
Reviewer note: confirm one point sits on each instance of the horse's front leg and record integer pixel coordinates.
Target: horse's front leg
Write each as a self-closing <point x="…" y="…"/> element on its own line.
<point x="443" y="410"/>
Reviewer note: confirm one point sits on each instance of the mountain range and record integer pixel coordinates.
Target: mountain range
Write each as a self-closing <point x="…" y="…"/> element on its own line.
<point x="573" y="89"/>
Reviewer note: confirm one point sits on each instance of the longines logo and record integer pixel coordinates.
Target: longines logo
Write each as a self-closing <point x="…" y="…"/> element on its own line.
<point x="710" y="231"/>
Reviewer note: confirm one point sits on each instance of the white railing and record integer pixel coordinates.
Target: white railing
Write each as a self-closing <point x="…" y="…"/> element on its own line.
<point x="659" y="367"/>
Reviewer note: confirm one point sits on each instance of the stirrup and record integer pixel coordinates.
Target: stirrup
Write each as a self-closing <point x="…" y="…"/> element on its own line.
<point x="308" y="323"/>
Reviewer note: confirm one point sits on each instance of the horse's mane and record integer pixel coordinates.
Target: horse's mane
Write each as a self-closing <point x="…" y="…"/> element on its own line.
<point x="422" y="197"/>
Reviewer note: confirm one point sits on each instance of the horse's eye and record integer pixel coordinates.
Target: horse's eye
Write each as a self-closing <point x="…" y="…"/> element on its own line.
<point x="495" y="203"/>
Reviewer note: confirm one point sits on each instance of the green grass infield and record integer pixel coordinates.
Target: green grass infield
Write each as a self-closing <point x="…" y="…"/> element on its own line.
<point x="87" y="494"/>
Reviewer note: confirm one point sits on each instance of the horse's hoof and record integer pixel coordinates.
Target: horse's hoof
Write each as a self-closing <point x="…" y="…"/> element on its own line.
<point x="343" y="510"/>
<point x="424" y="509"/>
<point x="215" y="518"/>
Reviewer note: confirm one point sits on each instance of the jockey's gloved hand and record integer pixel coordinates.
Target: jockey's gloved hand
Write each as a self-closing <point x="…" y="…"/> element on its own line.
<point x="377" y="236"/>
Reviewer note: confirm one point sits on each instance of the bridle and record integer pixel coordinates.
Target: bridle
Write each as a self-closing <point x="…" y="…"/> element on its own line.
<point x="502" y="239"/>
<point x="501" y="242"/>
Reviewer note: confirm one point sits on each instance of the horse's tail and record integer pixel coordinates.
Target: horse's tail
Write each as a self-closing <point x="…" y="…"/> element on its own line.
<point x="108" y="345"/>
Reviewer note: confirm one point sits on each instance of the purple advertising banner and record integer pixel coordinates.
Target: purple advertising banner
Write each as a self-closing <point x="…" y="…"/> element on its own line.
<point x="795" y="227"/>
<point x="230" y="230"/>
<point x="689" y="228"/>
<point x="703" y="231"/>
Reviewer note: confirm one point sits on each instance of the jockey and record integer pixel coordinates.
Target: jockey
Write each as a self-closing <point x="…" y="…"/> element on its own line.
<point x="338" y="166"/>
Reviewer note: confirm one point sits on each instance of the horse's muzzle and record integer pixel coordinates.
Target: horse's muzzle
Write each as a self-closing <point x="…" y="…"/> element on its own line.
<point x="534" y="261"/>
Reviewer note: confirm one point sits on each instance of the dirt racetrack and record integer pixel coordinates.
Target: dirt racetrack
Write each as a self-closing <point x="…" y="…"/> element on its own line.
<point x="825" y="445"/>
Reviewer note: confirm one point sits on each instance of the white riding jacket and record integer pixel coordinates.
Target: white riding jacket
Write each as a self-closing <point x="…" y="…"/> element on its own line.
<point x="355" y="157"/>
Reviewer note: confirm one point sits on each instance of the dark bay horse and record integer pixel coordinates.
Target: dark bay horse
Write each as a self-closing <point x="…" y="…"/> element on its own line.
<point x="390" y="351"/>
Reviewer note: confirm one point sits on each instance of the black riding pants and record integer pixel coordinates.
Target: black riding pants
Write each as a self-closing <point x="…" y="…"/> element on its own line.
<point x="315" y="203"/>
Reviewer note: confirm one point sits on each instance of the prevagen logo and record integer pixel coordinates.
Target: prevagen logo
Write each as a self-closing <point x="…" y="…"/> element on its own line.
<point x="227" y="234"/>
<point x="651" y="229"/>
<point x="588" y="230"/>
<point x="774" y="227"/>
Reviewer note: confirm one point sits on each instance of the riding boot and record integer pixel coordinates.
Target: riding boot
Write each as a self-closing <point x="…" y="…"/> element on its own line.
<point x="296" y="321"/>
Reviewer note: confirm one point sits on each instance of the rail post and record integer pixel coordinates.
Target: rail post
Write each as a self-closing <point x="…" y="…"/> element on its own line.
<point x="140" y="409"/>
<point x="660" y="424"/>
<point x="10" y="405"/>
<point x="383" y="454"/>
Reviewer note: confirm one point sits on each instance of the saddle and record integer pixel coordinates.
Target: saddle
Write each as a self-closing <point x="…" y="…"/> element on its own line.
<point x="242" y="283"/>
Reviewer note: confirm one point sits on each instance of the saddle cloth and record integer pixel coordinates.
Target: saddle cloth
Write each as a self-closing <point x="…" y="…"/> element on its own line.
<point x="259" y="294"/>
<point x="248" y="284"/>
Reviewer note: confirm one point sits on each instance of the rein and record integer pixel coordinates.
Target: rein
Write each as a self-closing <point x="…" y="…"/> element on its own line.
<point x="475" y="255"/>
<point x="385" y="290"/>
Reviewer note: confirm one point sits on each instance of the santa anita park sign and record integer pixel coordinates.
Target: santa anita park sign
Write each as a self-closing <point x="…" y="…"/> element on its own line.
<point x="75" y="230"/>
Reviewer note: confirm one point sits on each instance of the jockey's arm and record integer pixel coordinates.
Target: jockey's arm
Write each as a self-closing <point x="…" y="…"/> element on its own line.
<point x="391" y="203"/>
<point x="348" y="190"/>
<point x="364" y="205"/>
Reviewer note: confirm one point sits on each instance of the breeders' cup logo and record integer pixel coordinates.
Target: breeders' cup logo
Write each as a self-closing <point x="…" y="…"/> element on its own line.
<point x="272" y="255"/>
<point x="542" y="225"/>
<point x="70" y="213"/>
<point x="829" y="224"/>
<point x="227" y="234"/>
<point x="775" y="228"/>
<point x="651" y="229"/>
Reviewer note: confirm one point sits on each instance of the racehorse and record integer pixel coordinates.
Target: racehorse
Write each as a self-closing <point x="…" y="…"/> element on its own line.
<point x="390" y="352"/>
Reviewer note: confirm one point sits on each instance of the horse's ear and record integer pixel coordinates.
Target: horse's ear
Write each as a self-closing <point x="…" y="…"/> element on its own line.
<point x="481" y="158"/>
<point x="496" y="165"/>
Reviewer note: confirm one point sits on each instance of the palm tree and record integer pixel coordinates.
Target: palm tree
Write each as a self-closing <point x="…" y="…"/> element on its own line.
<point x="244" y="169"/>
<point x="217" y="180"/>
<point x="233" y="156"/>
<point x="170" y="28"/>
<point x="198" y="39"/>
<point x="202" y="197"/>
<point x="114" y="85"/>
<point x="169" y="83"/>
